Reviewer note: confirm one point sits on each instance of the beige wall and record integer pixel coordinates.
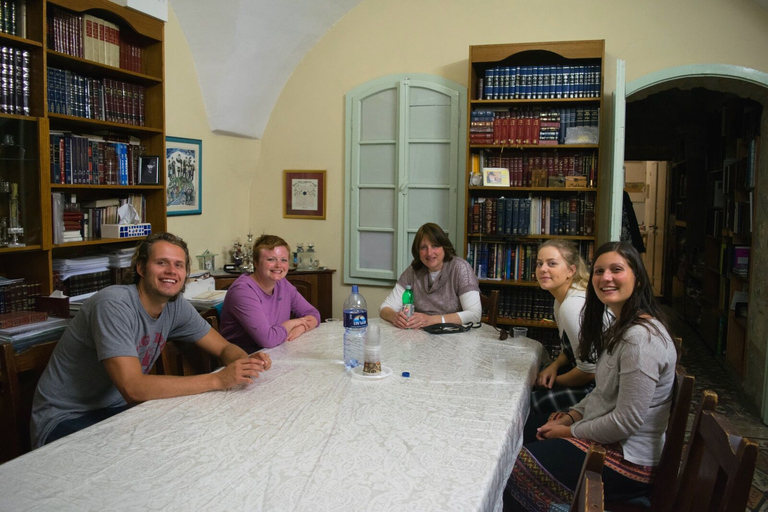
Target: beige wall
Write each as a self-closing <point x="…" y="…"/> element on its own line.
<point x="229" y="163"/>
<point x="380" y="37"/>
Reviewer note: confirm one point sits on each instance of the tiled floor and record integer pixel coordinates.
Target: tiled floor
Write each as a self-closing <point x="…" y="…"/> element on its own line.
<point x="699" y="361"/>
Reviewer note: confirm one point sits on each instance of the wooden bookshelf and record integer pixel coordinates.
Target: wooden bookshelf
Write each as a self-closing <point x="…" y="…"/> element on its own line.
<point x="32" y="132"/>
<point x="551" y="95"/>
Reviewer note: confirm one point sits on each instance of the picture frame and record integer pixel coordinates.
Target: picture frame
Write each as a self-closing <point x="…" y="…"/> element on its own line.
<point x="495" y="177"/>
<point x="184" y="176"/>
<point x="304" y="194"/>
<point x="149" y="170"/>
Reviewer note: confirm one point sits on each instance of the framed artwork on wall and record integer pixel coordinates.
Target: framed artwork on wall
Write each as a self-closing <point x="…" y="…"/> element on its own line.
<point x="304" y="195"/>
<point x="184" y="176"/>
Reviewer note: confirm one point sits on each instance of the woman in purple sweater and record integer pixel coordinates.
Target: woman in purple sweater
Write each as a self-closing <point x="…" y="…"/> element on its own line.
<point x="258" y="308"/>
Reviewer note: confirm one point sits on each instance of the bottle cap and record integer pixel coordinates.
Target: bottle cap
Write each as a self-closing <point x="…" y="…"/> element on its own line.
<point x="407" y="287"/>
<point x="354" y="288"/>
<point x="406" y="374"/>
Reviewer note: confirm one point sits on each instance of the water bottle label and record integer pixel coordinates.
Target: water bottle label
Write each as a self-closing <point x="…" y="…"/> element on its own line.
<point x="356" y="319"/>
<point x="408" y="309"/>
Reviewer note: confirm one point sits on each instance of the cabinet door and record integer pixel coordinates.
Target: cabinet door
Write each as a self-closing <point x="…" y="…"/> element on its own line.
<point x="316" y="289"/>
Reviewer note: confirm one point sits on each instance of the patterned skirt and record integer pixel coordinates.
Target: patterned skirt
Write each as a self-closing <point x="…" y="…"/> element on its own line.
<point x="546" y="473"/>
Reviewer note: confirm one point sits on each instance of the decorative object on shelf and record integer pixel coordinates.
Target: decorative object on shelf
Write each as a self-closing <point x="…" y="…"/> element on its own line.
<point x="237" y="254"/>
<point x="301" y="261"/>
<point x="476" y="179"/>
<point x="15" y="230"/>
<point x="207" y="260"/>
<point x="313" y="260"/>
<point x="496" y="177"/>
<point x="304" y="195"/>
<point x="149" y="167"/>
<point x="184" y="180"/>
<point x="248" y="254"/>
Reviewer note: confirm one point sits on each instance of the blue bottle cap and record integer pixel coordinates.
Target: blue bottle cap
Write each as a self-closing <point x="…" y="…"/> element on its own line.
<point x="406" y="374"/>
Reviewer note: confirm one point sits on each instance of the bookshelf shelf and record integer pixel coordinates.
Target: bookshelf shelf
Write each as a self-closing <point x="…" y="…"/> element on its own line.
<point x="73" y="123"/>
<point x="97" y="241"/>
<point x="541" y="147"/>
<point x="549" y="190"/>
<point x="136" y="64"/>
<point x="524" y="99"/>
<point x="80" y="65"/>
<point x="26" y="248"/>
<point x="553" y="101"/>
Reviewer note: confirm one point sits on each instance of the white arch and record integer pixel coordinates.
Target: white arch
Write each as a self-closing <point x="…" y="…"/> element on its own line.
<point x="697" y="71"/>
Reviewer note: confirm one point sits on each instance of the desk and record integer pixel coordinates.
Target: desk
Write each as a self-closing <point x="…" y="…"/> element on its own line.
<point x="305" y="436"/>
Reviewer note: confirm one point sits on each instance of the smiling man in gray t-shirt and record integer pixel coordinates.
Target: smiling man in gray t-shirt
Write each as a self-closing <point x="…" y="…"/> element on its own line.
<point x="101" y="364"/>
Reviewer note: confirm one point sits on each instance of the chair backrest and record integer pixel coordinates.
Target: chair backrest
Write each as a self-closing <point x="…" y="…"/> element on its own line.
<point x="19" y="374"/>
<point x="491" y="304"/>
<point x="591" y="498"/>
<point x="586" y="493"/>
<point x="669" y="464"/>
<point x="718" y="467"/>
<point x="182" y="359"/>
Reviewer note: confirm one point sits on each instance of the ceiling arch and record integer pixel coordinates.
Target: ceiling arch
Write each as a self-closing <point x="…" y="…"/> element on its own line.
<point x="245" y="51"/>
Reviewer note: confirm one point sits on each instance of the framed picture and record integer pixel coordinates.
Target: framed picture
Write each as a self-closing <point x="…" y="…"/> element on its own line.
<point x="495" y="177"/>
<point x="149" y="173"/>
<point x="304" y="195"/>
<point x="184" y="176"/>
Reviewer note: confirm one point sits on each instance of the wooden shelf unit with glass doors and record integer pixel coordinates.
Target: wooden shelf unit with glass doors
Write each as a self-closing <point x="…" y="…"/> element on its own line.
<point x="534" y="109"/>
<point x="136" y="71"/>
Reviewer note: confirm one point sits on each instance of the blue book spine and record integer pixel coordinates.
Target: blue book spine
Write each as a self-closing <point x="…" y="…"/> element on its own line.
<point x="488" y="85"/>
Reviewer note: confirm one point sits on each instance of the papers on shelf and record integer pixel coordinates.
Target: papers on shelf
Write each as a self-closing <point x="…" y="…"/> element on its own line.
<point x="208" y="299"/>
<point x="23" y="336"/>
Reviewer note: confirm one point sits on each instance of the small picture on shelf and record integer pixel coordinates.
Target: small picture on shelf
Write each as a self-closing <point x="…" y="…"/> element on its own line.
<point x="495" y="177"/>
<point x="184" y="182"/>
<point x="149" y="175"/>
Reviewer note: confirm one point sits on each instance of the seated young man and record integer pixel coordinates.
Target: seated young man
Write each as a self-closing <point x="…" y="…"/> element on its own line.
<point x="100" y="366"/>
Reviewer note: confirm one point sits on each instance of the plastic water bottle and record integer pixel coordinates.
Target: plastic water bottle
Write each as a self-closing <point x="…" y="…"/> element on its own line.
<point x="408" y="307"/>
<point x="355" y="327"/>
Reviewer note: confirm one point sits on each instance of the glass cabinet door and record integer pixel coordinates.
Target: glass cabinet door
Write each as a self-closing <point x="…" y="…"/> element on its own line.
<point x="20" y="209"/>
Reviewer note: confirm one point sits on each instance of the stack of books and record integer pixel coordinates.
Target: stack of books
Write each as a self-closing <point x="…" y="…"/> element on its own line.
<point x="25" y="328"/>
<point x="79" y="276"/>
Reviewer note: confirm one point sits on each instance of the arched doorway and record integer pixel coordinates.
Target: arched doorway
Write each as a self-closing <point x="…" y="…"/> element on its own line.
<point x="744" y="83"/>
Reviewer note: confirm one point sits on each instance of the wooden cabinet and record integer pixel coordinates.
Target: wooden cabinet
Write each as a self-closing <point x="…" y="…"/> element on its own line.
<point x="316" y="287"/>
<point x="533" y="154"/>
<point x="128" y="87"/>
<point x="313" y="285"/>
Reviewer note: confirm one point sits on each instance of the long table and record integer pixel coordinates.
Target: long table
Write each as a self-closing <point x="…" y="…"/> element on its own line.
<point x="306" y="435"/>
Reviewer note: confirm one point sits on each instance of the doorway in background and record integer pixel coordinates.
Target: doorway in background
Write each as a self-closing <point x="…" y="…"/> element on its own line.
<point x="646" y="184"/>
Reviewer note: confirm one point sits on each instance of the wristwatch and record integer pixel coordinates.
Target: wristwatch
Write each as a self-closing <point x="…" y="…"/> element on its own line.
<point x="442" y="319"/>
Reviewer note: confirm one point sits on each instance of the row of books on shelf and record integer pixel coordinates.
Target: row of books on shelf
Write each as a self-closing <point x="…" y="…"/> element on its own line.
<point x="93" y="160"/>
<point x="522" y="216"/>
<point x="540" y="82"/>
<point x="529" y="304"/>
<point x="14" y="81"/>
<point x="523" y="167"/>
<point x="92" y="38"/>
<point x="74" y="222"/>
<point x="13" y="17"/>
<point x="528" y="126"/>
<point x="103" y="99"/>
<point x="510" y="261"/>
<point x="18" y="294"/>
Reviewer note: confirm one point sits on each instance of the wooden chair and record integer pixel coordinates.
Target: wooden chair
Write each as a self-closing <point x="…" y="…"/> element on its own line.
<point x="669" y="463"/>
<point x="718" y="467"/>
<point x="19" y="374"/>
<point x="490" y="303"/>
<point x="589" y="490"/>
<point x="181" y="359"/>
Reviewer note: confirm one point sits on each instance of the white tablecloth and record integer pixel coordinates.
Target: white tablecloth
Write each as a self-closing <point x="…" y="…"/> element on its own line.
<point x="305" y="436"/>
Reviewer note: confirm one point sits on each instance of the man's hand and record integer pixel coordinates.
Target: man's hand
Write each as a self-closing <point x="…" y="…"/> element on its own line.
<point x="264" y="358"/>
<point x="241" y="371"/>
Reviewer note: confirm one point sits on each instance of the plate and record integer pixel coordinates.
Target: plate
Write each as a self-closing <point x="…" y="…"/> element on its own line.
<point x="357" y="372"/>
